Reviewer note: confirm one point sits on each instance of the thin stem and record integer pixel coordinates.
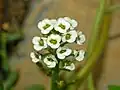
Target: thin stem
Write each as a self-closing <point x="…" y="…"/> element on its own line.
<point x="3" y="53"/>
<point x="94" y="37"/>
<point x="90" y="82"/>
<point x="113" y="8"/>
<point x="97" y="52"/>
<point x="55" y="78"/>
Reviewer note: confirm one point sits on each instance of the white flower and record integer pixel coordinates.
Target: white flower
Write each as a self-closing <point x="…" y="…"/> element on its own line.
<point x="69" y="36"/>
<point x="69" y="66"/>
<point x="50" y="61"/>
<point x="72" y="22"/>
<point x="45" y="26"/>
<point x="62" y="25"/>
<point x="54" y="41"/>
<point x="34" y="58"/>
<point x="79" y="55"/>
<point x="62" y="52"/>
<point x="53" y="21"/>
<point x="81" y="38"/>
<point x="39" y="43"/>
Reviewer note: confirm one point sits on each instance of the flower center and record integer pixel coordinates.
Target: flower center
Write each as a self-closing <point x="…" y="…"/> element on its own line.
<point x="62" y="51"/>
<point x="50" y="59"/>
<point x="68" y="63"/>
<point x="62" y="26"/>
<point x="41" y="43"/>
<point x="68" y="36"/>
<point x="46" y="26"/>
<point x="53" y="41"/>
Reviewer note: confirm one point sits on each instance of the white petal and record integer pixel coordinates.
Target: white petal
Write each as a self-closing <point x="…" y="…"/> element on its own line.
<point x="70" y="67"/>
<point x="46" y="61"/>
<point x="53" y="57"/>
<point x="74" y="23"/>
<point x="35" y="60"/>
<point x="75" y="52"/>
<point x="55" y="37"/>
<point x="80" y="58"/>
<point x="53" y="21"/>
<point x="52" y="65"/>
<point x="73" y="36"/>
<point x="81" y="55"/>
<point x="61" y="56"/>
<point x="68" y="52"/>
<point x="36" y="40"/>
<point x="82" y="38"/>
<point x="37" y="47"/>
<point x="67" y="19"/>
<point x="64" y="39"/>
<point x="59" y="49"/>
<point x="63" y="22"/>
<point x="32" y="55"/>
<point x="55" y="46"/>
<point x="42" y="23"/>
<point x="45" y="31"/>
<point x="59" y="29"/>
<point x="40" y="57"/>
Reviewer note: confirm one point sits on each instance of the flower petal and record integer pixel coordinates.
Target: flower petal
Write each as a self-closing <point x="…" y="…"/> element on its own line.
<point x="32" y="55"/>
<point x="37" y="47"/>
<point x="68" y="52"/>
<point x="52" y="65"/>
<point x="71" y="67"/>
<point x="81" y="38"/>
<point x="35" y="60"/>
<point x="81" y="55"/>
<point x="36" y="40"/>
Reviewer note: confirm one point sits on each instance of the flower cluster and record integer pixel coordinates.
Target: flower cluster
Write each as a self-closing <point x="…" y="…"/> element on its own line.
<point x="56" y="34"/>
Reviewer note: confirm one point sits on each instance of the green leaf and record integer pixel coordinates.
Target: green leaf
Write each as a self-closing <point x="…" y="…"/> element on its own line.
<point x="35" y="87"/>
<point x="11" y="80"/>
<point x="113" y="87"/>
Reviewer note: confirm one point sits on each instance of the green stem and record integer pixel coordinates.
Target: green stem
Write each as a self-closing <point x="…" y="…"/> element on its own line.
<point x="113" y="8"/>
<point x="94" y="37"/>
<point x="91" y="82"/>
<point x="3" y="53"/>
<point x="96" y="53"/>
<point x="96" y="27"/>
<point x="55" y="78"/>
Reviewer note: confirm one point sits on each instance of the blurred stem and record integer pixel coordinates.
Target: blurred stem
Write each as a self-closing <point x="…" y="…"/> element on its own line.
<point x="96" y="27"/>
<point x="55" y="78"/>
<point x="91" y="82"/>
<point x="92" y="59"/>
<point x="11" y="80"/>
<point x="97" y="52"/>
<point x="3" y="53"/>
<point x="11" y="37"/>
<point x="113" y="8"/>
<point x="93" y="39"/>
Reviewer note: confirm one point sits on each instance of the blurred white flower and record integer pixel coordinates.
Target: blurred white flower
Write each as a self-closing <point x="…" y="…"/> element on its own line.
<point x="72" y="22"/>
<point x="62" y="52"/>
<point x="69" y="66"/>
<point x="79" y="55"/>
<point x="81" y="38"/>
<point x="54" y="41"/>
<point x="62" y="25"/>
<point x="34" y="58"/>
<point x="45" y="26"/>
<point x="53" y="21"/>
<point x="69" y="36"/>
<point x="39" y="43"/>
<point x="50" y="61"/>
